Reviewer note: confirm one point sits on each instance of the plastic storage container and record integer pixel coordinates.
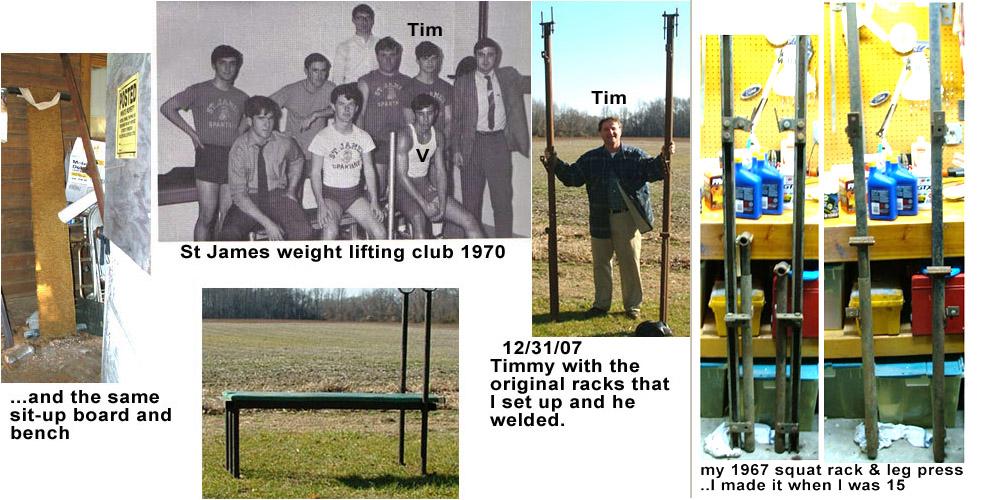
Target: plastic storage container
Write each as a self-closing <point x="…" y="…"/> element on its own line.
<point x="833" y="296"/>
<point x="810" y="304"/>
<point x="772" y="187"/>
<point x="904" y="392"/>
<point x="843" y="386"/>
<point x="906" y="189"/>
<point x="764" y="394"/>
<point x="921" y="302"/>
<point x="887" y="305"/>
<point x="747" y="192"/>
<point x="713" y="389"/>
<point x="920" y="152"/>
<point x="881" y="195"/>
<point x="717" y="301"/>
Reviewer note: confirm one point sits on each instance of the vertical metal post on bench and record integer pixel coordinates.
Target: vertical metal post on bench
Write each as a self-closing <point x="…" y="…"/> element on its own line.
<point x="427" y="382"/>
<point x="402" y="379"/>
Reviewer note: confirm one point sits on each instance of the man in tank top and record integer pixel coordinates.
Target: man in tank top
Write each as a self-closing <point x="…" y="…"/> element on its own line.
<point x="343" y="171"/>
<point x="421" y="177"/>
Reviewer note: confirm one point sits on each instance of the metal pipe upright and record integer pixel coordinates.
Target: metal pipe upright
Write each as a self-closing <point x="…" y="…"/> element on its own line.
<point x="862" y="240"/>
<point x="427" y="381"/>
<point x="729" y="230"/>
<point x="402" y="377"/>
<point x="669" y="33"/>
<point x="938" y="271"/>
<point x="780" y="353"/>
<point x="484" y="20"/>
<point x="547" y="29"/>
<point x="798" y="230"/>
<point x="746" y="327"/>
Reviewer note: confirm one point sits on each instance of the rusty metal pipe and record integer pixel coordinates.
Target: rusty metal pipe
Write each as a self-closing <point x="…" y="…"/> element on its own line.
<point x="550" y="137"/>
<point x="780" y="353"/>
<point x="746" y="310"/>
<point x="861" y="241"/>
<point x="939" y="271"/>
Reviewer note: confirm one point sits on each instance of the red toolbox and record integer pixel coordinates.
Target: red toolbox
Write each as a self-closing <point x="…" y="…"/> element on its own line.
<point x="921" y="301"/>
<point x="810" y="304"/>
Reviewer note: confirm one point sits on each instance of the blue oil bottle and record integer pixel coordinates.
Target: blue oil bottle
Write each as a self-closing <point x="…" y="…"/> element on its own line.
<point x="747" y="191"/>
<point x="906" y="189"/>
<point x="772" y="187"/>
<point x="882" y="201"/>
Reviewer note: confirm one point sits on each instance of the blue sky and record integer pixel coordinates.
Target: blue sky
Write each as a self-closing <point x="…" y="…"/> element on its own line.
<point x="612" y="46"/>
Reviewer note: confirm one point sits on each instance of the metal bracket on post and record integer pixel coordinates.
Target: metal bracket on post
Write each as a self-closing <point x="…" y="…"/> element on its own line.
<point x="939" y="128"/>
<point x="730" y="124"/>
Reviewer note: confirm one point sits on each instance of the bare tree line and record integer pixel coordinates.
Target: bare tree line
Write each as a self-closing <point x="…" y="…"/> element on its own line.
<point x="326" y="304"/>
<point x="645" y="120"/>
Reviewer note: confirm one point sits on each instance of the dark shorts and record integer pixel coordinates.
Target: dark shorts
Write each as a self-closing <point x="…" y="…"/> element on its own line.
<point x="406" y="203"/>
<point x="211" y="164"/>
<point x="345" y="197"/>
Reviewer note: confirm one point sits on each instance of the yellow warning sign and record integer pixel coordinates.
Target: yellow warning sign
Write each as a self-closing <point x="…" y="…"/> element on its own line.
<point x="127" y="118"/>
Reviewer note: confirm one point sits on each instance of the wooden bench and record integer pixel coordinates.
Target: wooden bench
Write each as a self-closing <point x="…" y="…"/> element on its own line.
<point x="423" y="401"/>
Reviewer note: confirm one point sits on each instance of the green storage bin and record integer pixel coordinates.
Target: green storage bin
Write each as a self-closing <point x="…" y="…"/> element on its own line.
<point x="845" y="395"/>
<point x="713" y="389"/>
<point x="764" y="392"/>
<point x="904" y="392"/>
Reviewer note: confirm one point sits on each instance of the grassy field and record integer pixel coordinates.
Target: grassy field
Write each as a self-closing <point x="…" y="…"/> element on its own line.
<point x="576" y="282"/>
<point x="326" y="454"/>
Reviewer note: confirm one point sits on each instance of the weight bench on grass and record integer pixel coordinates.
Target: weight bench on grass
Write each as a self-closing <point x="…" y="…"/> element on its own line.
<point x="402" y="401"/>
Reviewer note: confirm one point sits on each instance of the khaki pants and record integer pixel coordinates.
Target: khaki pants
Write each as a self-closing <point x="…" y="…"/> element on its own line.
<point x="626" y="242"/>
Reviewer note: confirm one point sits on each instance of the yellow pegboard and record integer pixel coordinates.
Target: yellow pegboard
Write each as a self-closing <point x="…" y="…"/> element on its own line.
<point x="753" y="58"/>
<point x="880" y="68"/>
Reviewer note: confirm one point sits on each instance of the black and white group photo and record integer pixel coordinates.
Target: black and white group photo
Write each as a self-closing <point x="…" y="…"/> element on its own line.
<point x="343" y="120"/>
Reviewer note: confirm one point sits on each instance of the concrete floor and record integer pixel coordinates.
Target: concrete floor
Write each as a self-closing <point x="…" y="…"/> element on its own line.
<point x="839" y="446"/>
<point x="808" y="445"/>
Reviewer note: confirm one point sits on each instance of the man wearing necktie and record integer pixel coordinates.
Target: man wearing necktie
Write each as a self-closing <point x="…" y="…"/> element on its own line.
<point x="491" y="122"/>
<point x="264" y="168"/>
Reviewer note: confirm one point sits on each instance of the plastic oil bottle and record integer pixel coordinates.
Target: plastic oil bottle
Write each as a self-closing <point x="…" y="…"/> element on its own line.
<point x="906" y="188"/>
<point x="882" y="201"/>
<point x="747" y="191"/>
<point x="772" y="184"/>
<point x="787" y="168"/>
<point x="920" y="153"/>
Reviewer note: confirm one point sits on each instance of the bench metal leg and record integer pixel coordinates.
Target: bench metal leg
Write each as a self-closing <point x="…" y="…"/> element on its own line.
<point x="402" y="435"/>
<point x="236" y="443"/>
<point x="229" y="437"/>
<point x="423" y="441"/>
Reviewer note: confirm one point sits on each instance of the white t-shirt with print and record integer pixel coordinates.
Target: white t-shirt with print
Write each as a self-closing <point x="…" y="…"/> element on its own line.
<point x="342" y="155"/>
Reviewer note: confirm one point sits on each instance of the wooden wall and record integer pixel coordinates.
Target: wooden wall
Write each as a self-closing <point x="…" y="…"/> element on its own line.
<point x="35" y="71"/>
